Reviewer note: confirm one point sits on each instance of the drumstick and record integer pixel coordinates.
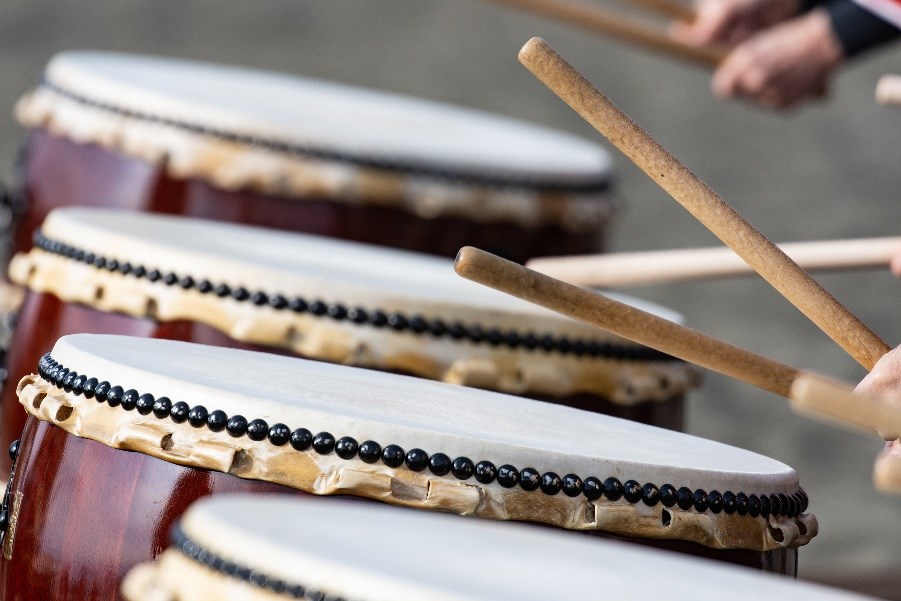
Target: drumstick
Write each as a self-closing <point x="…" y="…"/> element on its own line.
<point x="888" y="90"/>
<point x="599" y="20"/>
<point x="633" y="269"/>
<point x="702" y="202"/>
<point x="808" y="392"/>
<point x="667" y="8"/>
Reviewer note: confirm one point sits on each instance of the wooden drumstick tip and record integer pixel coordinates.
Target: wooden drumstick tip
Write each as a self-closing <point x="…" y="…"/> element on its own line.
<point x="888" y="90"/>
<point x="533" y="48"/>
<point x="815" y="394"/>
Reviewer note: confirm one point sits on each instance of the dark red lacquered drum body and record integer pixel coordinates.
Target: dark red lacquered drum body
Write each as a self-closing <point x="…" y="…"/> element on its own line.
<point x="323" y="299"/>
<point x="60" y="173"/>
<point x="252" y="147"/>
<point x="113" y="463"/>
<point x="127" y="503"/>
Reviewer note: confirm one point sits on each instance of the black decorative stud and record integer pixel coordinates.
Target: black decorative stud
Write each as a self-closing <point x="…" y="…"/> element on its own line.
<point x="632" y="491"/>
<point x="393" y="456"/>
<point x="346" y="447"/>
<point x="741" y="500"/>
<point x="730" y="503"/>
<point x="462" y="468"/>
<point x="279" y="435"/>
<point x="145" y="404"/>
<point x="572" y="485"/>
<point x="685" y="499"/>
<point x="485" y="472"/>
<point x="593" y="488"/>
<point x="197" y="416"/>
<point x="650" y="494"/>
<point x="700" y="500"/>
<point x="130" y="399"/>
<point x="714" y="501"/>
<point x="550" y="483"/>
<point x="301" y="439"/>
<point x="613" y="489"/>
<point x="161" y="407"/>
<point x="507" y="476"/>
<point x="114" y="396"/>
<point x="668" y="495"/>
<point x="370" y="451"/>
<point x="179" y="412"/>
<point x="257" y="430"/>
<point x="236" y="426"/>
<point x="324" y="443"/>
<point x="100" y="391"/>
<point x="440" y="464"/>
<point x="217" y="420"/>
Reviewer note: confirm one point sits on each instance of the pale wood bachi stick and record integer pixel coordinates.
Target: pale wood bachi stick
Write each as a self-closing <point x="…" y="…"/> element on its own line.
<point x="807" y="391"/>
<point x="614" y="270"/>
<point x="888" y="90"/>
<point x="667" y="8"/>
<point x="702" y="202"/>
<point x="596" y="19"/>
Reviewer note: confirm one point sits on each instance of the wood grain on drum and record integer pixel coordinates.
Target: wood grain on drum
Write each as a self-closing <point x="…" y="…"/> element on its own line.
<point x="90" y="513"/>
<point x="59" y="173"/>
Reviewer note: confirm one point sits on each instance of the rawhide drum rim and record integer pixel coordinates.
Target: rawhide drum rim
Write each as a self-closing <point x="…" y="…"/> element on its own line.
<point x="341" y="302"/>
<point x="419" y="174"/>
<point x="119" y="272"/>
<point x="252" y="548"/>
<point x="329" y="429"/>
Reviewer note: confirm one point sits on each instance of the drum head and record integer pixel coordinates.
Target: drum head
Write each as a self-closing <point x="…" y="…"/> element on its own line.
<point x="349" y="551"/>
<point x="240" y="128"/>
<point x="339" y="301"/>
<point x="330" y="429"/>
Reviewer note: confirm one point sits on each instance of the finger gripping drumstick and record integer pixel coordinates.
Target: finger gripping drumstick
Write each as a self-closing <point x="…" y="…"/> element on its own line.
<point x="808" y="392"/>
<point x="702" y="202"/>
<point x="888" y="90"/>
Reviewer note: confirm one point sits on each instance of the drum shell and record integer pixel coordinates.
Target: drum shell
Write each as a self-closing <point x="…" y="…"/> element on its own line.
<point x="58" y="172"/>
<point x="89" y="513"/>
<point x="44" y="319"/>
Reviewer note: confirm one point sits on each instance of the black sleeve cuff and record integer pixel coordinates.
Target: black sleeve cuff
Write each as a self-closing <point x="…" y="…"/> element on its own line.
<point x="857" y="28"/>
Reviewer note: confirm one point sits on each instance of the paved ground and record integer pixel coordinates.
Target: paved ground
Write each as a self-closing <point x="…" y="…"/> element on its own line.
<point x="828" y="171"/>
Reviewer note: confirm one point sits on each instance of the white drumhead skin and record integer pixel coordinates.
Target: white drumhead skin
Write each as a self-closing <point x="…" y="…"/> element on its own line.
<point x="371" y="553"/>
<point x="351" y="275"/>
<point x="472" y="425"/>
<point x="366" y="124"/>
<point x="412" y="413"/>
<point x="305" y="139"/>
<point x="272" y="260"/>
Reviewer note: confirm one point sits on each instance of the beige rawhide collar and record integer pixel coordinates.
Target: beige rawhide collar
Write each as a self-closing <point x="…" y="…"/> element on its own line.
<point x="510" y="370"/>
<point x="233" y="165"/>
<point x="329" y="474"/>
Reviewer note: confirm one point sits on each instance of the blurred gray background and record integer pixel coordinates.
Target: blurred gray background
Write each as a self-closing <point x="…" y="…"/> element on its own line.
<point x="826" y="171"/>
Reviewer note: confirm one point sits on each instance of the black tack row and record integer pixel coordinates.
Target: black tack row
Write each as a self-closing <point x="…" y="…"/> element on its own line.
<point x="399" y="322"/>
<point x="416" y="459"/>
<point x="497" y="180"/>
<point x="255" y="577"/>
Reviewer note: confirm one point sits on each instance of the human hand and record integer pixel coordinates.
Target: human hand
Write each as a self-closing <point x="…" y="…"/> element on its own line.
<point x="728" y="22"/>
<point x="782" y="66"/>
